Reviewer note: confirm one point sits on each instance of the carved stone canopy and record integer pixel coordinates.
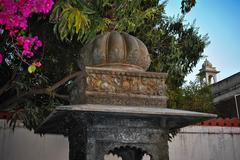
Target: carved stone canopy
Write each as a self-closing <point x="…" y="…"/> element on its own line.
<point x="117" y="50"/>
<point x="125" y="106"/>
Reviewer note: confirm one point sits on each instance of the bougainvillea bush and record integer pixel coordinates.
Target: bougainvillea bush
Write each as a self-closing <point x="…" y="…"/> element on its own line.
<point x="19" y="43"/>
<point x="21" y="57"/>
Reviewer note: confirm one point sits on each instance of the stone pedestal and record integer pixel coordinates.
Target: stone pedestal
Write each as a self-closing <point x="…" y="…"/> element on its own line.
<point x="96" y="130"/>
<point x="125" y="112"/>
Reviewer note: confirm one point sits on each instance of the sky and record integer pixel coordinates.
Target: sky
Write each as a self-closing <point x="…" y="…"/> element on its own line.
<point x="220" y="19"/>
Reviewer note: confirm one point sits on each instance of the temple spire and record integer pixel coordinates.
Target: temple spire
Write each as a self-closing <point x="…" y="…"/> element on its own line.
<point x="208" y="73"/>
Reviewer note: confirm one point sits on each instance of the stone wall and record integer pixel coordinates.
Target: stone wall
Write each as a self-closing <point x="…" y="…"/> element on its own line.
<point x="193" y="142"/>
<point x="22" y="144"/>
<point x="206" y="143"/>
<point x="226" y="88"/>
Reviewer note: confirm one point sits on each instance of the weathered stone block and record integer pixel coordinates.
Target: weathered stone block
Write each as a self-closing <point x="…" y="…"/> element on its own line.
<point x="120" y="87"/>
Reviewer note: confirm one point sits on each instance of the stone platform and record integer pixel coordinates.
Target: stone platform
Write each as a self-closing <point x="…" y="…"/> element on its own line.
<point x="99" y="129"/>
<point x="164" y="117"/>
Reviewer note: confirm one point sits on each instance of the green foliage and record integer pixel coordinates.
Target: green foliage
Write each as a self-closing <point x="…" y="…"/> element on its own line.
<point x="85" y="19"/>
<point x="194" y="97"/>
<point x="175" y="48"/>
<point x="187" y="5"/>
<point x="34" y="112"/>
<point x="133" y="14"/>
<point x="71" y="17"/>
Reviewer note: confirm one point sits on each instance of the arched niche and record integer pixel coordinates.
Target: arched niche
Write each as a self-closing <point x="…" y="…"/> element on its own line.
<point x="127" y="153"/>
<point x="111" y="156"/>
<point x="210" y="77"/>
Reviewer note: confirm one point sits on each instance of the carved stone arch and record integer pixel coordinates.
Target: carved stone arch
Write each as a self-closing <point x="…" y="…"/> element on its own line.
<point x="130" y="153"/>
<point x="111" y="156"/>
<point x="210" y="79"/>
<point x="146" y="157"/>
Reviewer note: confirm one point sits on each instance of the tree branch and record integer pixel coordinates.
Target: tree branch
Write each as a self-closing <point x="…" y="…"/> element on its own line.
<point x="8" y="85"/>
<point x="64" y="80"/>
<point x="48" y="91"/>
<point x="64" y="97"/>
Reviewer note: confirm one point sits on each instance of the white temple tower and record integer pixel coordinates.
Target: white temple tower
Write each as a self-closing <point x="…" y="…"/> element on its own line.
<point x="208" y="73"/>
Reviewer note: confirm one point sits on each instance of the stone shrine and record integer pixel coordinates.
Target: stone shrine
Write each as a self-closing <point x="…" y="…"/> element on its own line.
<point x="208" y="73"/>
<point x="124" y="115"/>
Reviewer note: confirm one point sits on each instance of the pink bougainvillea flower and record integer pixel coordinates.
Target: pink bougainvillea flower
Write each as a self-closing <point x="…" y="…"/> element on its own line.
<point x="8" y="6"/>
<point x="38" y="64"/>
<point x="14" y="13"/>
<point x="38" y="43"/>
<point x="27" y="53"/>
<point x="43" y="6"/>
<point x="20" y="40"/>
<point x="28" y="43"/>
<point x="12" y="33"/>
<point x="14" y="16"/>
<point x="1" y="58"/>
<point x="25" y="7"/>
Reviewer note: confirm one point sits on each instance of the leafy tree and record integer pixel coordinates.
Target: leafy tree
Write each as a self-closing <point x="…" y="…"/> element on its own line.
<point x="196" y="96"/>
<point x="175" y="47"/>
<point x="32" y="93"/>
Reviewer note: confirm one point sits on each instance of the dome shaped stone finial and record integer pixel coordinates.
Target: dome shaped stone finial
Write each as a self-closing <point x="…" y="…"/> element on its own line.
<point x="207" y="63"/>
<point x="117" y="50"/>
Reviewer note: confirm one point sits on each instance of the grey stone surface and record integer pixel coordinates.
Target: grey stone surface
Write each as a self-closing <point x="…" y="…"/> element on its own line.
<point x="224" y="93"/>
<point x="126" y="99"/>
<point x="146" y="116"/>
<point x="102" y="139"/>
<point x="91" y="136"/>
<point x="226" y="88"/>
<point x="95" y="130"/>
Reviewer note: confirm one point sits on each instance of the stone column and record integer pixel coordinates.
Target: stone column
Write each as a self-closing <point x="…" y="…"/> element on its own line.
<point x="77" y="137"/>
<point x="214" y="78"/>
